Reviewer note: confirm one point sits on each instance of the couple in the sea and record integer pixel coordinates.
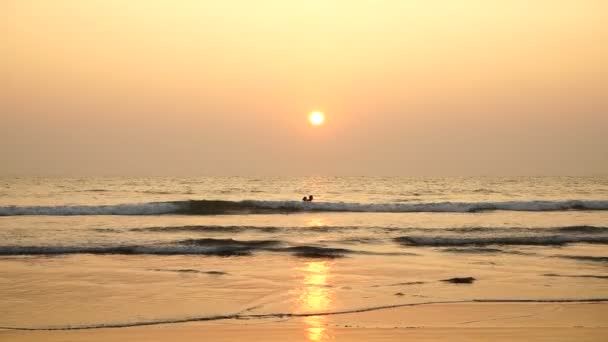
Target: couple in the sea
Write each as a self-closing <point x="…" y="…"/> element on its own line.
<point x="307" y="199"/>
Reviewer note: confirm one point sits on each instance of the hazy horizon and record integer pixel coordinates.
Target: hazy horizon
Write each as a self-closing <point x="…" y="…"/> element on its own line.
<point x="408" y="88"/>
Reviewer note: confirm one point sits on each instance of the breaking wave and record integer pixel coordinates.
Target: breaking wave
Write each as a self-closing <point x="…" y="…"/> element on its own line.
<point x="216" y="207"/>
<point x="203" y="229"/>
<point x="206" y="246"/>
<point x="157" y="208"/>
<point x="478" y="241"/>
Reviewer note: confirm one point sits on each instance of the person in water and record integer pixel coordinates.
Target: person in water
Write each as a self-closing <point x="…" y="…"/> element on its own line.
<point x="309" y="199"/>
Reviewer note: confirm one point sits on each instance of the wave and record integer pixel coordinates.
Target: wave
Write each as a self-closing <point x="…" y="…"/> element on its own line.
<point x="205" y="246"/>
<point x="217" y="247"/>
<point x="122" y="250"/>
<point x="473" y="250"/>
<point x="345" y="229"/>
<point x="211" y="229"/>
<point x="581" y="229"/>
<point x="157" y="208"/>
<point x="235" y="316"/>
<point x="190" y="270"/>
<point x="532" y="240"/>
<point x="318" y="252"/>
<point x="595" y="276"/>
<point x="584" y="258"/>
<point x="229" y="247"/>
<point x="217" y="207"/>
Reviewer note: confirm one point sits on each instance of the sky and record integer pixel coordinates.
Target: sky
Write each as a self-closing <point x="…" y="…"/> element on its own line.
<point x="410" y="88"/>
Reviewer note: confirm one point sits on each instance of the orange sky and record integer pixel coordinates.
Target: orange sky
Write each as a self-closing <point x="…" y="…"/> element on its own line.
<point x="435" y="87"/>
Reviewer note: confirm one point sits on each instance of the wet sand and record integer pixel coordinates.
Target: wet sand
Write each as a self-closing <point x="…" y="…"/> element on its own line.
<point x="452" y="322"/>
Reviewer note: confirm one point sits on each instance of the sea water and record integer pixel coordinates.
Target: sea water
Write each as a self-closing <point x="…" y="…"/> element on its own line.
<point x="91" y="252"/>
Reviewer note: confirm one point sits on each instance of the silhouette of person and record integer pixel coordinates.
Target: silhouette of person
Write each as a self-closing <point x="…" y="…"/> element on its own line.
<point x="310" y="198"/>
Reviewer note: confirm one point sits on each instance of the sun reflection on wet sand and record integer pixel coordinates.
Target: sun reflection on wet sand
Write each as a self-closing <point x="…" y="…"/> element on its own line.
<point x="316" y="296"/>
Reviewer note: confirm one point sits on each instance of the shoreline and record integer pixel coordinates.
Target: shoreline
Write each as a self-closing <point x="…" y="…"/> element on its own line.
<point x="263" y="316"/>
<point x="455" y="322"/>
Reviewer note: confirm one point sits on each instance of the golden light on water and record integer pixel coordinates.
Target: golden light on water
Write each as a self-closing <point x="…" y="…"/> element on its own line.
<point x="316" y="118"/>
<point x="316" y="330"/>
<point x="316" y="296"/>
<point x="316" y="222"/>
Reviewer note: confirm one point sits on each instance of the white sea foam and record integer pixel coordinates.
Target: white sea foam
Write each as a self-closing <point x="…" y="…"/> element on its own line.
<point x="155" y="208"/>
<point x="435" y="207"/>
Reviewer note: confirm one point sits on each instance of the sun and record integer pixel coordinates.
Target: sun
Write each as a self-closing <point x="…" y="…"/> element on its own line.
<point x="316" y="118"/>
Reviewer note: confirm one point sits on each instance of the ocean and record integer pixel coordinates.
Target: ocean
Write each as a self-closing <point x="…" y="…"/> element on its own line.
<point x="97" y="252"/>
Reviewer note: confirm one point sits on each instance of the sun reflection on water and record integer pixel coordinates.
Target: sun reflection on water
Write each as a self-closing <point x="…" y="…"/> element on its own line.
<point x="316" y="222"/>
<point x="316" y="296"/>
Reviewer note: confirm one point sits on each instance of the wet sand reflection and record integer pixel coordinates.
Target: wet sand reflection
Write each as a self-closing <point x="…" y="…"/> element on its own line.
<point x="316" y="296"/>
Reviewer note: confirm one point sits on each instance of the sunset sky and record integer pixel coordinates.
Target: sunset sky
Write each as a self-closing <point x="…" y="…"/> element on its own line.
<point x="408" y="87"/>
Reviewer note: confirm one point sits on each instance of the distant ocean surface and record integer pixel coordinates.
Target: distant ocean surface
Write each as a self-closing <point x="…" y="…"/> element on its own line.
<point x="125" y="251"/>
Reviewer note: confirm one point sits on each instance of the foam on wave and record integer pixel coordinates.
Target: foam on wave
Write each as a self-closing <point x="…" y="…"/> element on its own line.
<point x="533" y="240"/>
<point x="154" y="208"/>
<point x="344" y="229"/>
<point x="205" y="246"/>
<point x="216" y="207"/>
